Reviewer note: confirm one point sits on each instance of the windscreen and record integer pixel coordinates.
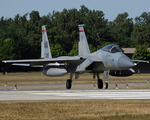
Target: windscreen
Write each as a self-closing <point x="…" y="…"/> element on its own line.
<point x="111" y="48"/>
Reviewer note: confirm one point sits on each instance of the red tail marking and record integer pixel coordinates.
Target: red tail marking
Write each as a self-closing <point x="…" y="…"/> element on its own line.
<point x="81" y="30"/>
<point x="43" y="30"/>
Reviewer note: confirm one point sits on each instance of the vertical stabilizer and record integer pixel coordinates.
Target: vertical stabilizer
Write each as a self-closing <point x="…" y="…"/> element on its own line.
<point x="45" y="49"/>
<point x="83" y="44"/>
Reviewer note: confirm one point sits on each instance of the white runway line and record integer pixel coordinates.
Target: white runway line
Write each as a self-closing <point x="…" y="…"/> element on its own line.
<point x="76" y="95"/>
<point x="129" y="94"/>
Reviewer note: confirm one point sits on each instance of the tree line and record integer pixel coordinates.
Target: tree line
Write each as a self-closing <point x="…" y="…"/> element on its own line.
<point x="20" y="38"/>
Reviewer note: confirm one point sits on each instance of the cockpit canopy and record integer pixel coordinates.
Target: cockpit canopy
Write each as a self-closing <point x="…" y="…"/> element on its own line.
<point x="111" y="48"/>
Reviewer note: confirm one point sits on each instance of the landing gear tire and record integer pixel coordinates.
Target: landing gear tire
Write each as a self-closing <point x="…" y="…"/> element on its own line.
<point x="100" y="84"/>
<point x="68" y="84"/>
<point x="106" y="85"/>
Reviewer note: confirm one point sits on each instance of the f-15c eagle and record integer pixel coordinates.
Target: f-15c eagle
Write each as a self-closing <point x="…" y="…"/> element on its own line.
<point x="107" y="60"/>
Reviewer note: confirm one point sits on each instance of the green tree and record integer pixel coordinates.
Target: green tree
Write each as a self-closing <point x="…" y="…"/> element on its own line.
<point x="34" y="34"/>
<point x="141" y="53"/>
<point x="92" y="48"/>
<point x="141" y="29"/>
<point x="57" y="51"/>
<point x="96" y="28"/>
<point x="74" y="51"/>
<point x="8" y="50"/>
<point x="63" y="34"/>
<point x="121" y="29"/>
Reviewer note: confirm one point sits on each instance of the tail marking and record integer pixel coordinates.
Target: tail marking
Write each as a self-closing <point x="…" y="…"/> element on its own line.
<point x="45" y="49"/>
<point x="83" y="44"/>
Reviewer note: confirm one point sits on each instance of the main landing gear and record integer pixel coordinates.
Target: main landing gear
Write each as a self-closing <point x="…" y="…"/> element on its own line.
<point x="106" y="78"/>
<point x="69" y="82"/>
<point x="106" y="85"/>
<point x="100" y="84"/>
<point x="99" y="81"/>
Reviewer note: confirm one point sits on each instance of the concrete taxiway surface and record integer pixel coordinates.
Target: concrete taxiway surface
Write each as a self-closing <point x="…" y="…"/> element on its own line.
<point x="85" y="91"/>
<point x="140" y="94"/>
<point x="75" y="86"/>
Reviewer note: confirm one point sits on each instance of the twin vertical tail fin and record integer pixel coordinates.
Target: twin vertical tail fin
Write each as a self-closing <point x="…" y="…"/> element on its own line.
<point x="45" y="49"/>
<point x="83" y="44"/>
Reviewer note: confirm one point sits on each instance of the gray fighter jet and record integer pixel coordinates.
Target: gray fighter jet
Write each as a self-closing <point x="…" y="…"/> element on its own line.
<point x="107" y="60"/>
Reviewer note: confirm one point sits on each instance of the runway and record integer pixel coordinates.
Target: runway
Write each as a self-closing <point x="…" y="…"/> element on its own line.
<point x="75" y="86"/>
<point x="82" y="91"/>
<point x="139" y="94"/>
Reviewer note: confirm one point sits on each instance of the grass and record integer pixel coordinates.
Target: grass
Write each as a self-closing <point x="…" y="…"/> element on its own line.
<point x="81" y="110"/>
<point x="74" y="110"/>
<point x="39" y="78"/>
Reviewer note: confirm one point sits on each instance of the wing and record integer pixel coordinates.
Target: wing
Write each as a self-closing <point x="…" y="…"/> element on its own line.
<point x="48" y="62"/>
<point x="96" y="66"/>
<point x="140" y="61"/>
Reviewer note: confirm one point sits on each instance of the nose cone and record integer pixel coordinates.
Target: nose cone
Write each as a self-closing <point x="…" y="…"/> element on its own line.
<point x="125" y="63"/>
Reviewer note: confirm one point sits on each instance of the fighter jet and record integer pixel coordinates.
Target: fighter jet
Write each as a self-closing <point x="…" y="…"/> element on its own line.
<point x="108" y="60"/>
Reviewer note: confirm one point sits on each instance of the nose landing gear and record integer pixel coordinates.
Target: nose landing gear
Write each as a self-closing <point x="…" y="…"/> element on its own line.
<point x="100" y="81"/>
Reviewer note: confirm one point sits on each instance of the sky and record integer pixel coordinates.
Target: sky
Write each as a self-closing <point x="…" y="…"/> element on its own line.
<point x="111" y="8"/>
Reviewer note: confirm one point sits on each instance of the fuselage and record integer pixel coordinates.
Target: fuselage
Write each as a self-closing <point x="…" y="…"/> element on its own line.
<point x="108" y="58"/>
<point x="114" y="61"/>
